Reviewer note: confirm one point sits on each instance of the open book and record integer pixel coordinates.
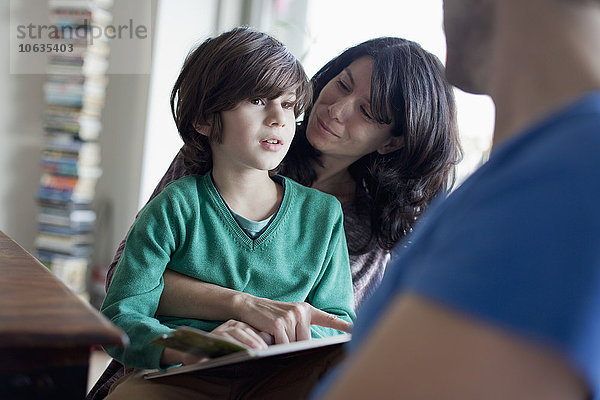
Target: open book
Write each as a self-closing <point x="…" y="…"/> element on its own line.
<point x="222" y="351"/>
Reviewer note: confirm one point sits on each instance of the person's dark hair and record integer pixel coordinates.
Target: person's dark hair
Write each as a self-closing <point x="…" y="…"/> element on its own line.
<point x="238" y="65"/>
<point x="408" y="90"/>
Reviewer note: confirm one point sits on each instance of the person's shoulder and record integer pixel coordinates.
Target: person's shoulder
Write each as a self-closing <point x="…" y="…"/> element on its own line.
<point x="307" y="194"/>
<point x="567" y="143"/>
<point x="312" y="205"/>
<point x="184" y="188"/>
<point x="574" y="126"/>
<point x="185" y="182"/>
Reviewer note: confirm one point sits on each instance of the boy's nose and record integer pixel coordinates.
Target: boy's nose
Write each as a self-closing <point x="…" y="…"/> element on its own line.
<point x="276" y="117"/>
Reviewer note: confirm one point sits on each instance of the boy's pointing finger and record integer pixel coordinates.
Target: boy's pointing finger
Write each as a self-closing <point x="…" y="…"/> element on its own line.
<point x="327" y="320"/>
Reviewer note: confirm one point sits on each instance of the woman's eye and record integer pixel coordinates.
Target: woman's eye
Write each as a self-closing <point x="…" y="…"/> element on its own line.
<point x="343" y="86"/>
<point x="258" y="102"/>
<point x="366" y="114"/>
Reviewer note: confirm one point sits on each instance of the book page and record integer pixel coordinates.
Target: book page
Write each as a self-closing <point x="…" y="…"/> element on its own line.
<point x="248" y="354"/>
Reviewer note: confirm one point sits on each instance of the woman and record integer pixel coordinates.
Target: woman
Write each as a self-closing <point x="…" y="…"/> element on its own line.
<point x="381" y="137"/>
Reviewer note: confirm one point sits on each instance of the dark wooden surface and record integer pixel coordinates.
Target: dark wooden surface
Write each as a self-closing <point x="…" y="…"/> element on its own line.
<point x="46" y="331"/>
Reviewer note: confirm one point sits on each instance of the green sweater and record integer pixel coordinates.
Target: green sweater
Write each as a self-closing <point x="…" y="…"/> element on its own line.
<point x="301" y="256"/>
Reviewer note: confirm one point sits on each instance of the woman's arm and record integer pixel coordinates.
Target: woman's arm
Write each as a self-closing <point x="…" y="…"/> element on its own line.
<point x="183" y="296"/>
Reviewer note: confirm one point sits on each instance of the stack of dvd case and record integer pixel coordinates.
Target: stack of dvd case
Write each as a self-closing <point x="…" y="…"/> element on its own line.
<point x="74" y="95"/>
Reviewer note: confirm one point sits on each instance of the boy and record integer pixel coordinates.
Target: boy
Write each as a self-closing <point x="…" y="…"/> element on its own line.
<point x="232" y="223"/>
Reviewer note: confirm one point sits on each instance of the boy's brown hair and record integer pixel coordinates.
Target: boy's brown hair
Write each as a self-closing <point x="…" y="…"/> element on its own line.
<point x="238" y="65"/>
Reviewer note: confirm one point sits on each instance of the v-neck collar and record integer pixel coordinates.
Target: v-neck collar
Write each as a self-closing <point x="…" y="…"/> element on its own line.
<point x="227" y="214"/>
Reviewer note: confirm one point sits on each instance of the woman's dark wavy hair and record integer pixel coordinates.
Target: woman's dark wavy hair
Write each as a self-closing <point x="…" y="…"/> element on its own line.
<point x="409" y="91"/>
<point x="237" y="65"/>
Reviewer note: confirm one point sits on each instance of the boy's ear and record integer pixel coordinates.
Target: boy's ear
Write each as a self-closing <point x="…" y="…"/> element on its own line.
<point x="203" y="129"/>
<point x="393" y="144"/>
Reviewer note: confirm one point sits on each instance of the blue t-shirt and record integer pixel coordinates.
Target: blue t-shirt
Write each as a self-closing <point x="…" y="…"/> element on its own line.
<point x="518" y="244"/>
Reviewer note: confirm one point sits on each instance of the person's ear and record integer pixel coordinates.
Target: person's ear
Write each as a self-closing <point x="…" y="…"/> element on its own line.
<point x="203" y="129"/>
<point x="394" y="143"/>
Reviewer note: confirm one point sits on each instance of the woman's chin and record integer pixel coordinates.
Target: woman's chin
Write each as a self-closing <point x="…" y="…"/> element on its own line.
<point x="314" y="140"/>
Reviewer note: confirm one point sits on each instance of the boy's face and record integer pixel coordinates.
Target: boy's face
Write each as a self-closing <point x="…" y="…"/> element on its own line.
<point x="257" y="133"/>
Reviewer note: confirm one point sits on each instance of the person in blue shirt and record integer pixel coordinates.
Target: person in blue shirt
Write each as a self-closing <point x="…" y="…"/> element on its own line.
<point x="498" y="294"/>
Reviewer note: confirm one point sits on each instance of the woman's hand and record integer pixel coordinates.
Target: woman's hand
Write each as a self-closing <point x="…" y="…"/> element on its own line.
<point x="285" y="322"/>
<point x="243" y="333"/>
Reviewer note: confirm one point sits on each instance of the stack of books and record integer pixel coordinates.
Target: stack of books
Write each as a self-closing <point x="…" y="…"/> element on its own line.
<point x="74" y="95"/>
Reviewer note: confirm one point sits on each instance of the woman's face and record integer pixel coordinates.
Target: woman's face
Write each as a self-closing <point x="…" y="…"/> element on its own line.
<point x="340" y="124"/>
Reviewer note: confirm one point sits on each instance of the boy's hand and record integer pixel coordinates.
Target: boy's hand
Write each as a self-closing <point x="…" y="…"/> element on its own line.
<point x="244" y="334"/>
<point x="286" y="322"/>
